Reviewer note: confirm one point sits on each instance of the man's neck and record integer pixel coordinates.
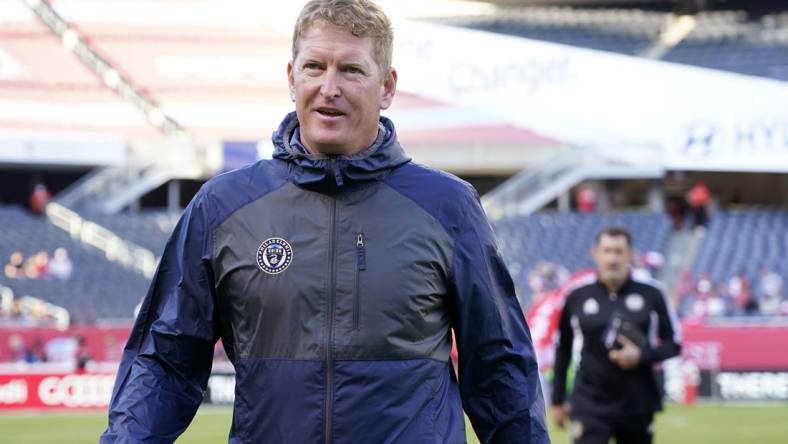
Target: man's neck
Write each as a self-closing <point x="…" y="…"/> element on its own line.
<point x="341" y="151"/>
<point x="612" y="286"/>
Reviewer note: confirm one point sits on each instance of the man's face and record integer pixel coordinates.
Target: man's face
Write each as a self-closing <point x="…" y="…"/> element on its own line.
<point x="613" y="257"/>
<point x="338" y="90"/>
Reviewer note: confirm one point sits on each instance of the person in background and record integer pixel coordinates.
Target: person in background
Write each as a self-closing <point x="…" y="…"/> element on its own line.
<point x="61" y="266"/>
<point x="740" y="290"/>
<point x="82" y="355"/>
<point x="39" y="198"/>
<point x="699" y="198"/>
<point x="37" y="265"/>
<point x="770" y="292"/>
<point x="585" y="199"/>
<point x="15" y="268"/>
<point x="615" y="393"/>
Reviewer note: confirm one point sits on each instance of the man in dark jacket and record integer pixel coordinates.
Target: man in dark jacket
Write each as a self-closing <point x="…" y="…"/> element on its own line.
<point x="626" y="326"/>
<point x="334" y="274"/>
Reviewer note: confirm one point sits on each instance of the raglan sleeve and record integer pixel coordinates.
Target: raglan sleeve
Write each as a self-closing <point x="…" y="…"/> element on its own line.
<point x="497" y="369"/>
<point x="167" y="360"/>
<point x="563" y="354"/>
<point x="668" y="343"/>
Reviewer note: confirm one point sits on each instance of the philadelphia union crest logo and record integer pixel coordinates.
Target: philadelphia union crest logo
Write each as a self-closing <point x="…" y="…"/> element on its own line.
<point x="274" y="255"/>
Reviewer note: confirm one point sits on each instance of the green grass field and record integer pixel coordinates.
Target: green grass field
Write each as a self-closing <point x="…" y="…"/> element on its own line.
<point x="704" y="423"/>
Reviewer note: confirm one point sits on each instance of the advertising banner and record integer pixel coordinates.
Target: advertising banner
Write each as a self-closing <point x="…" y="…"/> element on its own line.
<point x="698" y="118"/>
<point x="69" y="391"/>
<point x="736" y="347"/>
<point x="55" y="391"/>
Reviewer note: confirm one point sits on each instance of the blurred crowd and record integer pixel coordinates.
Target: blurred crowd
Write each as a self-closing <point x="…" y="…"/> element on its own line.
<point x="39" y="265"/>
<point x="700" y="298"/>
<point x="27" y="312"/>
<point x="71" y="350"/>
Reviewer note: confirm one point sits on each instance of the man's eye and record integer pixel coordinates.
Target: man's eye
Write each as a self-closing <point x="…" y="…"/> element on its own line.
<point x="353" y="70"/>
<point x="311" y="66"/>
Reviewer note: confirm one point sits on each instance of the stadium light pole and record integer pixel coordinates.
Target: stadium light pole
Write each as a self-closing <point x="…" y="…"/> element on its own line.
<point x="110" y="75"/>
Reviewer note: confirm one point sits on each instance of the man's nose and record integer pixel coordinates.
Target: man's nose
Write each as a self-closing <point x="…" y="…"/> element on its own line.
<point x="330" y="86"/>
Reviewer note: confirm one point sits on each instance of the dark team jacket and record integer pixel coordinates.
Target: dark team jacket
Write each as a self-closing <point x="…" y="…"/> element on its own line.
<point x="334" y="283"/>
<point x="601" y="387"/>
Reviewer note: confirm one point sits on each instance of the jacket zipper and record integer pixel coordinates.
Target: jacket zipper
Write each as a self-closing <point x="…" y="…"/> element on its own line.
<point x="361" y="264"/>
<point x="330" y="316"/>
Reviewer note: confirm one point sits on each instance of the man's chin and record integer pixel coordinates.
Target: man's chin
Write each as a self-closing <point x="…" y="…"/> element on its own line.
<point x="613" y="277"/>
<point x="326" y="145"/>
<point x="331" y="150"/>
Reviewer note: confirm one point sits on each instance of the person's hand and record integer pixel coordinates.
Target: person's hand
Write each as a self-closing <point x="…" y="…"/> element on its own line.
<point x="628" y="356"/>
<point x="560" y="414"/>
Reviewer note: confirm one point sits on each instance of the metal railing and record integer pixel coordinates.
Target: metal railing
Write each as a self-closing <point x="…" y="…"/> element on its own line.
<point x="532" y="189"/>
<point x="114" y="247"/>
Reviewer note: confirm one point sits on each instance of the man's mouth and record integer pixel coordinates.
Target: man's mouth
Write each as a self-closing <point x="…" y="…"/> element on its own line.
<point x="330" y="112"/>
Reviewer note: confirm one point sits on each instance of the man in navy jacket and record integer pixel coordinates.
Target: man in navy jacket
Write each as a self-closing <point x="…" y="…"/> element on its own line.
<point x="334" y="274"/>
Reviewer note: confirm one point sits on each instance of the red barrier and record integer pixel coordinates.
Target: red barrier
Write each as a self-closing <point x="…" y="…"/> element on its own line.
<point x="737" y="347"/>
<point x="55" y="391"/>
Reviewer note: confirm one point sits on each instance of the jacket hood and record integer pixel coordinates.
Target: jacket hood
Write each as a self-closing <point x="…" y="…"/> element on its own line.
<point x="373" y="163"/>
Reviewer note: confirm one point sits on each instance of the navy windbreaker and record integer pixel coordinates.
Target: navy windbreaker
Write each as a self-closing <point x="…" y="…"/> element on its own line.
<point x="334" y="283"/>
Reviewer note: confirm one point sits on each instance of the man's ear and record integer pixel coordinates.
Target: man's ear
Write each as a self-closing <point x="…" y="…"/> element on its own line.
<point x="291" y="80"/>
<point x="388" y="89"/>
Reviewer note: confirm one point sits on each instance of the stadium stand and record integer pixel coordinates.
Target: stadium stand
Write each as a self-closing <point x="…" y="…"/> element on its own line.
<point x="97" y="289"/>
<point x="147" y="228"/>
<point x="732" y="43"/>
<point x="615" y="30"/>
<point x="740" y="267"/>
<point x="745" y="241"/>
<point x="723" y="40"/>
<point x="565" y="239"/>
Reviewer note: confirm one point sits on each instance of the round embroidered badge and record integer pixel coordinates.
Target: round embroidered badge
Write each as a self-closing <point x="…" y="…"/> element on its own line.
<point x="274" y="255"/>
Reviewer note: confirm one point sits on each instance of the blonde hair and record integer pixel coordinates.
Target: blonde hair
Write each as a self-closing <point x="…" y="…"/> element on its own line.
<point x="362" y="18"/>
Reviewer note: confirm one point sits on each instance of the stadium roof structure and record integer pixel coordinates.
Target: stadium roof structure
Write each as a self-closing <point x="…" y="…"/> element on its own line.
<point x="218" y="69"/>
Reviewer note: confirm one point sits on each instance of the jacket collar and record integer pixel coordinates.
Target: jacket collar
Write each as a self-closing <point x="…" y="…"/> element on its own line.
<point x="623" y="289"/>
<point x="319" y="170"/>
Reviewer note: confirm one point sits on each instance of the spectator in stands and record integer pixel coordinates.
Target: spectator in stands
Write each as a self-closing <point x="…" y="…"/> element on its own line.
<point x="770" y="292"/>
<point x="699" y="198"/>
<point x="615" y="392"/>
<point x="82" y="355"/>
<point x="335" y="273"/>
<point x="16" y="310"/>
<point x="585" y="199"/>
<point x="740" y="290"/>
<point x="676" y="209"/>
<point x="62" y="349"/>
<point x="37" y="265"/>
<point x="553" y="275"/>
<point x="697" y="303"/>
<point x="652" y="262"/>
<point x="39" y="198"/>
<point x="37" y="350"/>
<point x="61" y="266"/>
<point x="716" y="305"/>
<point x="16" y="348"/>
<point x="15" y="269"/>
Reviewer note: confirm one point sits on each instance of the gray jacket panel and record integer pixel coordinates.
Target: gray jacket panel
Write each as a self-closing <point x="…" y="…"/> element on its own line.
<point x="389" y="292"/>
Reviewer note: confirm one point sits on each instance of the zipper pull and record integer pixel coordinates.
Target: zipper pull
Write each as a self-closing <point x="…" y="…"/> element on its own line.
<point x="337" y="172"/>
<point x="361" y="252"/>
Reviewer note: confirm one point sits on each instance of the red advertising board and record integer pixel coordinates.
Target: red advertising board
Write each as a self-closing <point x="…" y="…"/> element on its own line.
<point x="736" y="347"/>
<point x="55" y="391"/>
